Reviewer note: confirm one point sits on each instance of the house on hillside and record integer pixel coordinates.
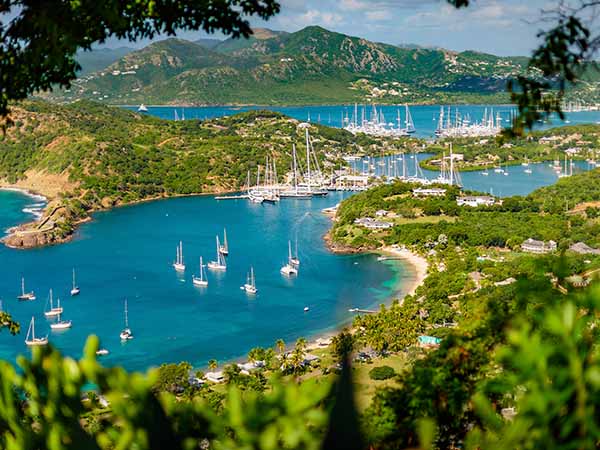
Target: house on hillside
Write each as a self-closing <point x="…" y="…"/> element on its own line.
<point x="429" y="192"/>
<point x="539" y="247"/>
<point x="584" y="249"/>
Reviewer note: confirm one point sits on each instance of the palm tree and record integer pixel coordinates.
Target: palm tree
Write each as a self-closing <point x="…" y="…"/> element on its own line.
<point x="301" y="343"/>
<point x="280" y="345"/>
<point x="212" y="364"/>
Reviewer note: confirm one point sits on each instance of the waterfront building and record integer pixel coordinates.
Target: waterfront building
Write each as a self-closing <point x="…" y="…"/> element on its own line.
<point x="540" y="247"/>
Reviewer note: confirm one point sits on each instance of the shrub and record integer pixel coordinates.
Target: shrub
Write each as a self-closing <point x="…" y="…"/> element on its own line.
<point x="381" y="373"/>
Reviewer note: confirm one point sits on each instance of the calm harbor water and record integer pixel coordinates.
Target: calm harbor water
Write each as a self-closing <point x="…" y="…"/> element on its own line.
<point x="424" y="116"/>
<point x="127" y="253"/>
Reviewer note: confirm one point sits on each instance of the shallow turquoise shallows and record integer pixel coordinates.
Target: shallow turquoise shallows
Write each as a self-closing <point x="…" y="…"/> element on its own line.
<point x="128" y="253"/>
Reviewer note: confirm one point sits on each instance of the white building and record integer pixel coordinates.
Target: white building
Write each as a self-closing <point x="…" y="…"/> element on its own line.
<point x="215" y="377"/>
<point x="373" y="224"/>
<point x="539" y="247"/>
<point x="429" y="192"/>
<point x="476" y="200"/>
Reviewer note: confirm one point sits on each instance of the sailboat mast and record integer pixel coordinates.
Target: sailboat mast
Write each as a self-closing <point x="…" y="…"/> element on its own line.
<point x="307" y="158"/>
<point x="126" y="315"/>
<point x="451" y="166"/>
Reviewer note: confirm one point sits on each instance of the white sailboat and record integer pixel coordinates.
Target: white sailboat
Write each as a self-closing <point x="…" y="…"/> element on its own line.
<point x="220" y="263"/>
<point x="53" y="311"/>
<point x="102" y="352"/>
<point x="142" y="108"/>
<point x="408" y="121"/>
<point x="294" y="259"/>
<point x="75" y="290"/>
<point x="25" y="296"/>
<point x="250" y="286"/>
<point x="201" y="280"/>
<point x="289" y="269"/>
<point x="30" y="339"/>
<point x="61" y="324"/>
<point x="126" y="334"/>
<point x="224" y="249"/>
<point x="178" y="264"/>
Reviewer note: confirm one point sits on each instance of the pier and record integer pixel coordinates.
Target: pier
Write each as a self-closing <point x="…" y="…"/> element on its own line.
<point x="231" y="197"/>
<point x="366" y="311"/>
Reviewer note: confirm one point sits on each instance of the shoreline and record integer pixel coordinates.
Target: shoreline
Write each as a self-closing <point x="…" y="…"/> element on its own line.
<point x="13" y="232"/>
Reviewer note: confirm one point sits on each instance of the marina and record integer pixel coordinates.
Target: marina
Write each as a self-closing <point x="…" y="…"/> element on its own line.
<point x="424" y="117"/>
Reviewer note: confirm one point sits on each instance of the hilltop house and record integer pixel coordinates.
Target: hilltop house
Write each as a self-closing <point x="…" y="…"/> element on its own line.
<point x="476" y="200"/>
<point x="540" y="247"/>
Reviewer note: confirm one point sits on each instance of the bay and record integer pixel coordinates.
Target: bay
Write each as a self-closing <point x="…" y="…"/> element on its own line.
<point x="127" y="253"/>
<point x="424" y="116"/>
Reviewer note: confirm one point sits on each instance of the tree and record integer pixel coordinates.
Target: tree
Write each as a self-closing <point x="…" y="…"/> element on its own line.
<point x="280" y="344"/>
<point x="6" y="321"/>
<point x="38" y="47"/>
<point x="342" y="344"/>
<point x="212" y="364"/>
<point x="173" y="378"/>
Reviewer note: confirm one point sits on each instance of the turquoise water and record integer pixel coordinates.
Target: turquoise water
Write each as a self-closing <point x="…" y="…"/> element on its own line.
<point x="424" y="116"/>
<point x="127" y="253"/>
<point x="517" y="182"/>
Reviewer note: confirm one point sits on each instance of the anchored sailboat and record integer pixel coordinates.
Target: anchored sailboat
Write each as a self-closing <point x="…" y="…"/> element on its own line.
<point x="178" y="264"/>
<point x="224" y="249"/>
<point x="142" y="108"/>
<point x="53" y="311"/>
<point x="250" y="286"/>
<point x="289" y="269"/>
<point x="61" y="324"/>
<point x="200" y="281"/>
<point x="31" y="333"/>
<point x="220" y="263"/>
<point x="126" y="334"/>
<point x="408" y="122"/>
<point x="294" y="259"/>
<point x="25" y="296"/>
<point x="75" y="290"/>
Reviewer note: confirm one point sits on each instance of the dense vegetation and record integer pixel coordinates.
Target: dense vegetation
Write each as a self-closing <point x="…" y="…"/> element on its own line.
<point x="109" y="155"/>
<point x="310" y="66"/>
<point x="537" y="146"/>
<point x="514" y="366"/>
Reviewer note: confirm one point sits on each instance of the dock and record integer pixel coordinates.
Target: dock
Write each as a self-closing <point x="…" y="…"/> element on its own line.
<point x="366" y="311"/>
<point x="231" y="197"/>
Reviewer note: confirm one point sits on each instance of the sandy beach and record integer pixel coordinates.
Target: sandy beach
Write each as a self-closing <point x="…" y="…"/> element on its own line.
<point x="419" y="264"/>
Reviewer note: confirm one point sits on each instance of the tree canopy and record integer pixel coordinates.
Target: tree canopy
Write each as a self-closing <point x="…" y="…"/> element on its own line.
<point x="38" y="46"/>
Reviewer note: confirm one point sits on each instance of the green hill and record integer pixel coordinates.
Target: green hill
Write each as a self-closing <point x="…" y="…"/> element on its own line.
<point x="310" y="66"/>
<point x="86" y="156"/>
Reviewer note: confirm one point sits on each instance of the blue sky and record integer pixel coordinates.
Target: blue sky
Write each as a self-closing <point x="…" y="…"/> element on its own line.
<point x="502" y="27"/>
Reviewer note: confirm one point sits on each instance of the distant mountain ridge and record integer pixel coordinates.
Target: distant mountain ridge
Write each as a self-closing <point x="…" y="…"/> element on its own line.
<point x="310" y="66"/>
